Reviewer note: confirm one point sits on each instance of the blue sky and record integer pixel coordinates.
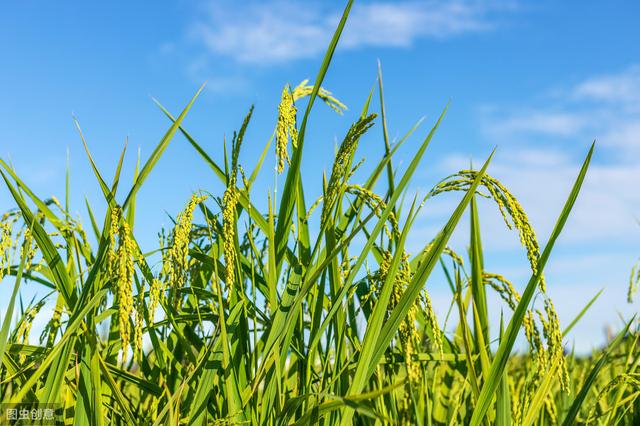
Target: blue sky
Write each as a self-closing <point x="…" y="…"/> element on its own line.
<point x="540" y="80"/>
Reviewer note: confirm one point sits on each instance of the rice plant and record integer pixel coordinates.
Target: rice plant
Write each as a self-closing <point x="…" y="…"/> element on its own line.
<point x="302" y="312"/>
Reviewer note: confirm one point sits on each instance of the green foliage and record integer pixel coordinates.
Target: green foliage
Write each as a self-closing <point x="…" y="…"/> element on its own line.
<point x="293" y="314"/>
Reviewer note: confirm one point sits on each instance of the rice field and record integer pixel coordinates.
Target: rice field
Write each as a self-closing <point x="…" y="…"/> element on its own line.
<point x="306" y="311"/>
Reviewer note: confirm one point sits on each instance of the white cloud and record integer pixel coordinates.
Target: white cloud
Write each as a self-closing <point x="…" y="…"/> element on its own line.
<point x="399" y="24"/>
<point x="277" y="31"/>
<point x="613" y="88"/>
<point x="604" y="107"/>
<point x="267" y="32"/>
<point x="549" y="123"/>
<point x="624" y="134"/>
<point x="218" y="80"/>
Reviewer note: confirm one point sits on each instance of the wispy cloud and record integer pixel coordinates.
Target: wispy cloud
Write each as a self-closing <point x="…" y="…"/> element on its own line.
<point x="560" y="123"/>
<point x="622" y="87"/>
<point x="604" y="107"/>
<point x="400" y="24"/>
<point x="272" y="32"/>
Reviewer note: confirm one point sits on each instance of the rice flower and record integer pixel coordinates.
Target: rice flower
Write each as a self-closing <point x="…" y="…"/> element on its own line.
<point x="550" y="323"/>
<point x="229" y="204"/>
<point x="554" y="342"/>
<point x="625" y="379"/>
<point x="634" y="282"/>
<point x="375" y="202"/>
<point x="535" y="341"/>
<point x="514" y="216"/>
<point x="342" y="163"/>
<point x="457" y="259"/>
<point x="304" y="89"/>
<point x="407" y="332"/>
<point x="124" y="282"/>
<point x="156" y="289"/>
<point x="30" y="248"/>
<point x="114" y="231"/>
<point x="286" y="127"/>
<point x="22" y="334"/>
<point x="503" y="287"/>
<point x="137" y="347"/>
<point x="6" y="243"/>
<point x="514" y="391"/>
<point x="121" y="268"/>
<point x="51" y="330"/>
<point x="179" y="251"/>
<point x="432" y="320"/>
<point x="510" y="209"/>
<point x="230" y="201"/>
<point x="175" y="260"/>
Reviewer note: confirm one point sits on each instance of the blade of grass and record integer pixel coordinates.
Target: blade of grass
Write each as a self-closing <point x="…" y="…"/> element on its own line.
<point x="157" y="152"/>
<point x="570" y="418"/>
<point x="8" y="314"/>
<point x="74" y="323"/>
<point x="285" y="212"/>
<point x="49" y="253"/>
<point x="504" y="349"/>
<point x="371" y="354"/>
<point x="581" y="313"/>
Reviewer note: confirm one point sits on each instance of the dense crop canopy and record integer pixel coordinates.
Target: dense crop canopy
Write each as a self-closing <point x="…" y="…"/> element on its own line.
<point x="299" y="312"/>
